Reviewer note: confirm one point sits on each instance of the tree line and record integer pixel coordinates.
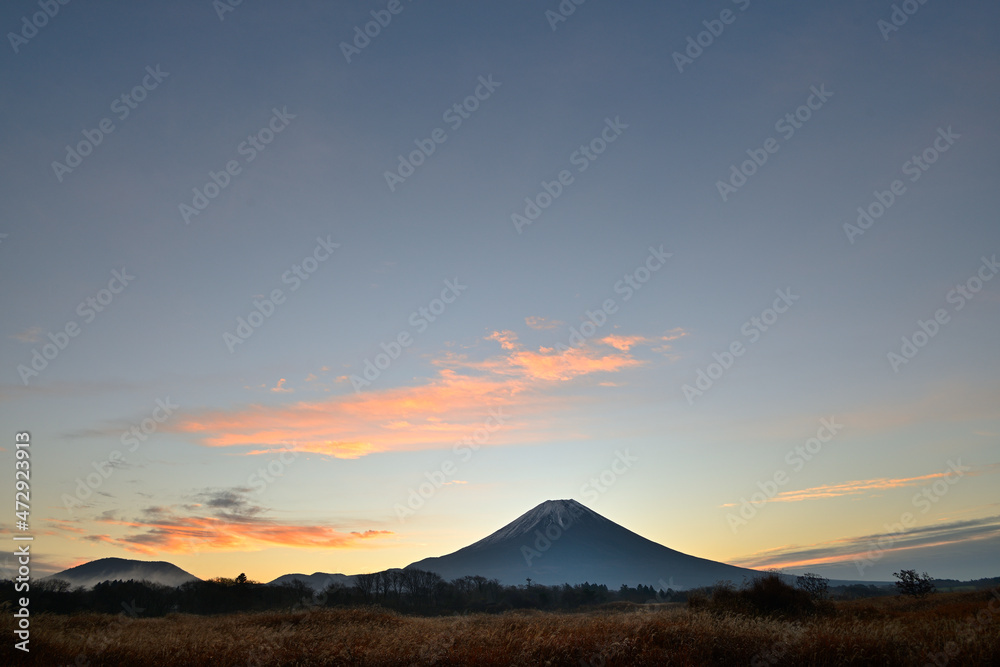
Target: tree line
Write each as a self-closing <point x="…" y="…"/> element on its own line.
<point x="408" y="591"/>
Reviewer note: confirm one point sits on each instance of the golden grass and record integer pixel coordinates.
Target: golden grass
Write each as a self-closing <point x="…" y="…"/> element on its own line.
<point x="887" y="631"/>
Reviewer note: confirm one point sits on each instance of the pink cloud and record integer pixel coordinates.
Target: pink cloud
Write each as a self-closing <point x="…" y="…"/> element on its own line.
<point x="434" y="414"/>
<point x="280" y="387"/>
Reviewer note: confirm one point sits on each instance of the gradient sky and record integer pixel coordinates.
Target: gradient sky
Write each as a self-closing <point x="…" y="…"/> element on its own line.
<point x="601" y="416"/>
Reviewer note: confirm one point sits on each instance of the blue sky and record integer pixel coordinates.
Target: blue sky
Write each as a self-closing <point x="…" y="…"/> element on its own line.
<point x="505" y="297"/>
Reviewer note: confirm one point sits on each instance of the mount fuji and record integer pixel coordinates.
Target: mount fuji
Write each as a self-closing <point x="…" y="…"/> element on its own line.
<point x="563" y="541"/>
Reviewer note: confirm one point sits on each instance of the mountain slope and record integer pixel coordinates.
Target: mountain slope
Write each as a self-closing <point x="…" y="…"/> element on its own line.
<point x="317" y="581"/>
<point x="562" y="541"/>
<point x="110" y="569"/>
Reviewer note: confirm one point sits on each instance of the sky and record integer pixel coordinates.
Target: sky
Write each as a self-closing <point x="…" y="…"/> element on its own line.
<point x="340" y="286"/>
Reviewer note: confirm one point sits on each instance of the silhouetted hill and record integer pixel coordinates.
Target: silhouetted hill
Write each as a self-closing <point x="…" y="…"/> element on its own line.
<point x="111" y="569"/>
<point x="317" y="581"/>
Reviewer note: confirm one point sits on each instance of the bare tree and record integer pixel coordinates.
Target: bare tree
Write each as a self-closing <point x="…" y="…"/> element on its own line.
<point x="365" y="585"/>
<point x="816" y="586"/>
<point x="396" y="583"/>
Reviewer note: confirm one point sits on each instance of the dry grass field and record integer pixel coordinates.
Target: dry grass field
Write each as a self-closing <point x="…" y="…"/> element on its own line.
<point x="884" y="631"/>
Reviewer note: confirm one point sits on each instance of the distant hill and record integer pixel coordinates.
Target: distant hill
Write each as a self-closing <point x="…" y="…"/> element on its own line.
<point x="317" y="581"/>
<point x="562" y="541"/>
<point x="110" y="569"/>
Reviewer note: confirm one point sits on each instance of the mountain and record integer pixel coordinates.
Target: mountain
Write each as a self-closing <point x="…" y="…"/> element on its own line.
<point x="562" y="541"/>
<point x="110" y="569"/>
<point x="317" y="581"/>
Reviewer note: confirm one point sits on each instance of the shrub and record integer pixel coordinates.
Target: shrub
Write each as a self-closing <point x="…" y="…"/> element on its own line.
<point x="770" y="595"/>
<point x="767" y="595"/>
<point x="911" y="583"/>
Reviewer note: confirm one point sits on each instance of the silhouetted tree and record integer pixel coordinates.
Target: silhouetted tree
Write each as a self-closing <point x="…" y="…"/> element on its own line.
<point x="364" y="584"/>
<point x="816" y="586"/>
<point x="911" y="583"/>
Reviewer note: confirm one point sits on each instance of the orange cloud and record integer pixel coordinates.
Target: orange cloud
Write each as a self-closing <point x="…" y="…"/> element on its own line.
<point x="280" y="387"/>
<point x="623" y="343"/>
<point x="178" y="535"/>
<point x="547" y="364"/>
<point x="853" y="488"/>
<point x="233" y="525"/>
<point x="29" y="335"/>
<point x="438" y="413"/>
<point x="507" y="339"/>
<point x="674" y="334"/>
<point x="409" y="418"/>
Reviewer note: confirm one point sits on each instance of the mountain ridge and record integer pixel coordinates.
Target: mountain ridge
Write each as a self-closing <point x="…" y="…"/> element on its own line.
<point x="317" y="581"/>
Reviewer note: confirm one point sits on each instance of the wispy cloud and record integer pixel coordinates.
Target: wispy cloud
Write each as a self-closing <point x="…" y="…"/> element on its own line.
<point x="858" y="487"/>
<point x="665" y="347"/>
<point x="623" y="343"/>
<point x="434" y="414"/>
<point x="280" y="388"/>
<point x="847" y="549"/>
<point x="66" y="525"/>
<point x="222" y="521"/>
<point x="546" y="364"/>
<point x="29" y="335"/>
